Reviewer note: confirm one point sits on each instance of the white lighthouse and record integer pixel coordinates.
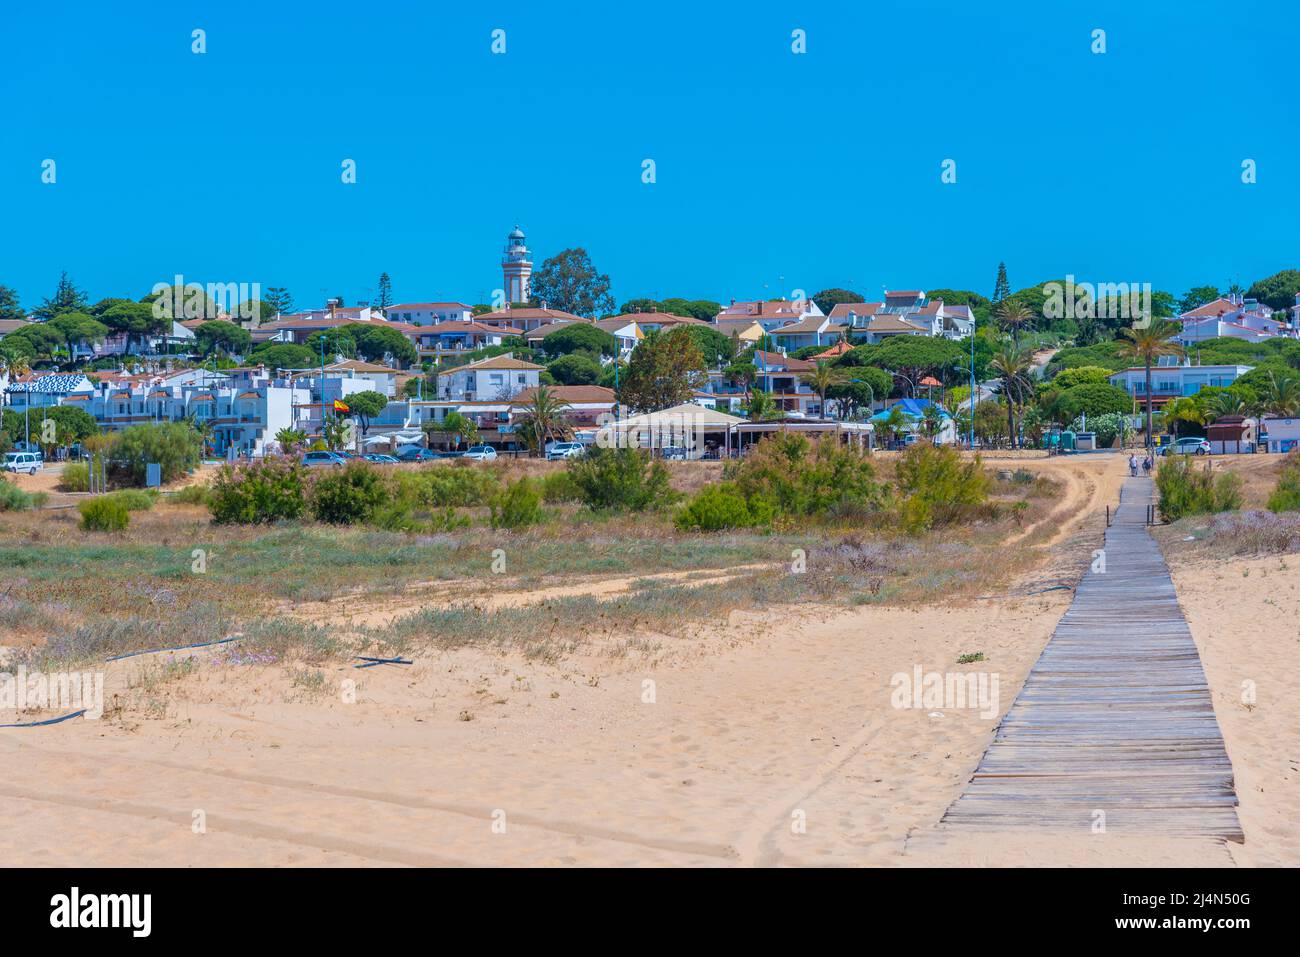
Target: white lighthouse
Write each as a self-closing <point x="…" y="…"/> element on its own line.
<point x="517" y="267"/>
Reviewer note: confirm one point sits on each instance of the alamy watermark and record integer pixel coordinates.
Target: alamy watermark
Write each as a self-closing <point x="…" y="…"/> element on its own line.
<point x="216" y="300"/>
<point x="1103" y="300"/>
<point x="59" y="690"/>
<point x="678" y="432"/>
<point x="951" y="690"/>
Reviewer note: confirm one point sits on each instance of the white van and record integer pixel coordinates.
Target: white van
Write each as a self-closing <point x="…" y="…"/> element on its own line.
<point x="29" y="462"/>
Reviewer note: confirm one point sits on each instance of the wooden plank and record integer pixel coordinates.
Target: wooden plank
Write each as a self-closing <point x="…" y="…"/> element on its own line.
<point x="1115" y="715"/>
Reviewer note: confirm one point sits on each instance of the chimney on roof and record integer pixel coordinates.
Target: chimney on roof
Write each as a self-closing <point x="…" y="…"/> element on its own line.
<point x="333" y="305"/>
<point x="760" y="307"/>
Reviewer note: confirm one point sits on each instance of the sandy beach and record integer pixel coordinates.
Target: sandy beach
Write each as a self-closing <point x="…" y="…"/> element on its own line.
<point x="769" y="739"/>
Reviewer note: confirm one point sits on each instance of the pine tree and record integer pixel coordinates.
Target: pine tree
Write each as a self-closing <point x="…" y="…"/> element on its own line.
<point x="67" y="298"/>
<point x="385" y="297"/>
<point x="9" y="307"/>
<point x="1002" y="288"/>
<point x="279" y="299"/>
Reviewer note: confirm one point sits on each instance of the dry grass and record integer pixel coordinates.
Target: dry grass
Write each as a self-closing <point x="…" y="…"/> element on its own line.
<point x="73" y="596"/>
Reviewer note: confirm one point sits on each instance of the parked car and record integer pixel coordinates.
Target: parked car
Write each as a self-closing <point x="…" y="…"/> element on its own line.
<point x="324" y="460"/>
<point x="415" y="453"/>
<point x="29" y="462"/>
<point x="564" y="450"/>
<point x="481" y="453"/>
<point x="1191" y="445"/>
<point x="448" y="455"/>
<point x="380" y="458"/>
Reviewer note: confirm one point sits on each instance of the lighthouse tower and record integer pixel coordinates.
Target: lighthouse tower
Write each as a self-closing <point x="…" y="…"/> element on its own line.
<point x="517" y="267"/>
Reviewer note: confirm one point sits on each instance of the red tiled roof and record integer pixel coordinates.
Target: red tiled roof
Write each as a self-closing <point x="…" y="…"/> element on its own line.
<point x="570" y="393"/>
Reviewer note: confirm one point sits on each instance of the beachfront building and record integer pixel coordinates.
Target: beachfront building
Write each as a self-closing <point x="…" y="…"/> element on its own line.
<point x="1171" y="380"/>
<point x="525" y="318"/>
<point x="812" y="331"/>
<point x="488" y="380"/>
<point x="908" y="312"/>
<point x="769" y="313"/>
<point x="429" y="313"/>
<point x="46" y="390"/>
<point x="778" y="374"/>
<point x="449" y="339"/>
<point x="379" y="378"/>
<point x="1235" y="317"/>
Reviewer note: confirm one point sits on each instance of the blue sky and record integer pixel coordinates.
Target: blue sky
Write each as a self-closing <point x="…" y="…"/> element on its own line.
<point x="775" y="171"/>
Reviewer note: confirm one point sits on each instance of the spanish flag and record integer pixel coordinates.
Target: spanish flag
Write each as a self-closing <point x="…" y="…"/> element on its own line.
<point x="341" y="406"/>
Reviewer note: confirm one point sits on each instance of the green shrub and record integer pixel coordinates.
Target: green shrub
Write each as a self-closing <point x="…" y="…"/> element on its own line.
<point x="14" y="499"/>
<point x="350" y="495"/>
<point x="1286" y="496"/>
<point x="196" y="494"/>
<point x="136" y="499"/>
<point x="560" y="487"/>
<point x="517" y="506"/>
<point x="723" y="506"/>
<point x="75" y="477"/>
<point x="802" y="478"/>
<point x="938" y="487"/>
<point x="437" y="486"/>
<point x="620" y="480"/>
<point x="104" y="513"/>
<point x="270" y="491"/>
<point x="1186" y="489"/>
<point x="175" y="446"/>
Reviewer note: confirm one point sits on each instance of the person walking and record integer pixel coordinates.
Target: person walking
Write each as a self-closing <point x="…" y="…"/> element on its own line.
<point x="1146" y="466"/>
<point x="1133" y="464"/>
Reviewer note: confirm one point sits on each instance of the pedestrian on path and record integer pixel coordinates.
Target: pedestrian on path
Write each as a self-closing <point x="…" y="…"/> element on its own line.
<point x="1133" y="464"/>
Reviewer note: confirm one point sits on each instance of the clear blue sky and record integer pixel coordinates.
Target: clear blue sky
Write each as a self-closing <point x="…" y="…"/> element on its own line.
<point x="823" y="168"/>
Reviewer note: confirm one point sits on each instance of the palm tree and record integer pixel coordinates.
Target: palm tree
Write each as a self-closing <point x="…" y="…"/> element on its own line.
<point x="1184" y="409"/>
<point x="932" y="421"/>
<point x="546" y="417"/>
<point x="1013" y="316"/>
<point x="290" y="439"/>
<point x="1148" y="344"/>
<point x="822" y="379"/>
<point x="895" y="423"/>
<point x="761" y="405"/>
<point x="1281" y="396"/>
<point x="1012" y="365"/>
<point x="1227" y="403"/>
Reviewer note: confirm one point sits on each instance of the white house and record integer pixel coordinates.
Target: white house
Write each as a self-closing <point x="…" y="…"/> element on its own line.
<point x="1171" y="381"/>
<point x="429" y="313"/>
<point x="904" y="313"/>
<point x="812" y="331"/>
<point x="488" y="380"/>
<point x="1233" y="317"/>
<point x="46" y="390"/>
<point x="769" y="313"/>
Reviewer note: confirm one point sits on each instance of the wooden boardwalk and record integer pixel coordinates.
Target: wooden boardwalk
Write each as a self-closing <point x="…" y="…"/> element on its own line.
<point x="1115" y="716"/>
